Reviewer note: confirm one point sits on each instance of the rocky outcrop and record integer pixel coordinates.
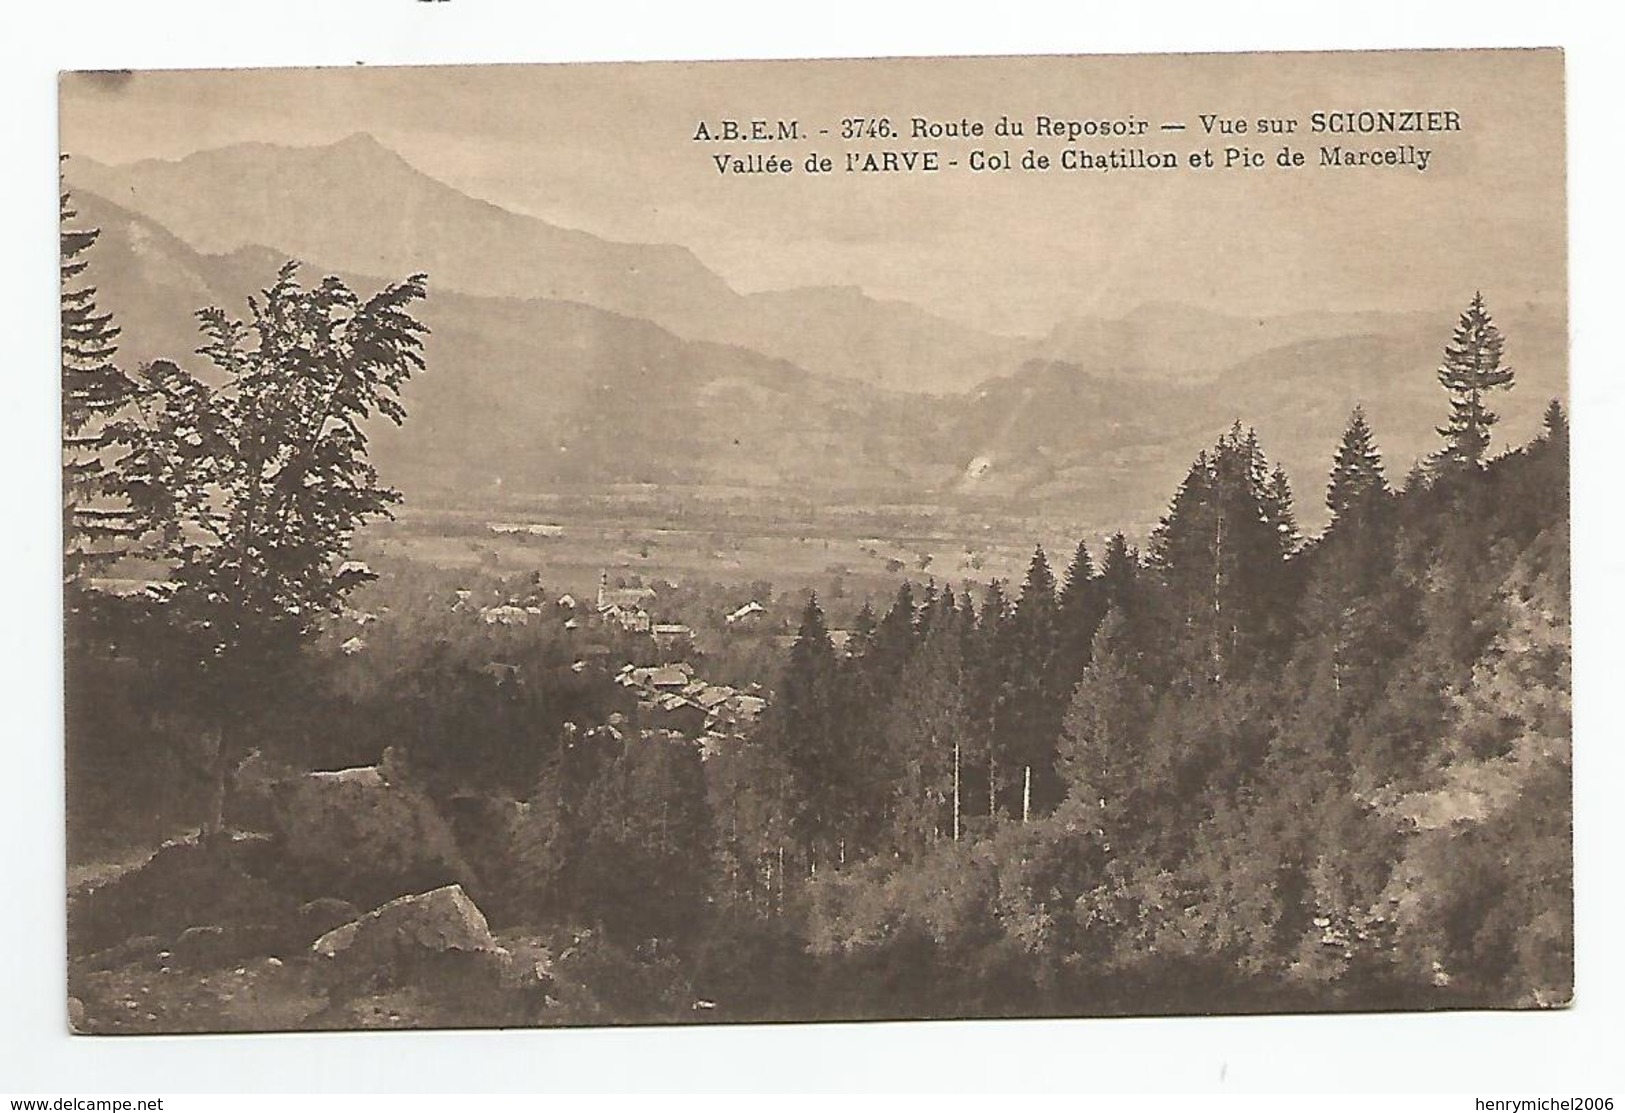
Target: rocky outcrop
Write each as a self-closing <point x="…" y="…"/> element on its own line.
<point x="435" y="922"/>
<point x="364" y="835"/>
<point x="433" y="945"/>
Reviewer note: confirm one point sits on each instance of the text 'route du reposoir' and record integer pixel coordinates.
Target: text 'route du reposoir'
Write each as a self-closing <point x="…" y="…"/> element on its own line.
<point x="920" y="144"/>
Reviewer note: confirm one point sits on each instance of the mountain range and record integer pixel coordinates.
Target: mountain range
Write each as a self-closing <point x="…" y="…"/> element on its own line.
<point x="557" y="356"/>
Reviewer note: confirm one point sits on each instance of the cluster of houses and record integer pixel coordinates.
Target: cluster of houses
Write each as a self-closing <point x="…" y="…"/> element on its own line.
<point x="626" y="608"/>
<point x="671" y="698"/>
<point x="622" y="607"/>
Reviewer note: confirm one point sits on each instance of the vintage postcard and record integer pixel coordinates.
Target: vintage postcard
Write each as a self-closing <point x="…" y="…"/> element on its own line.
<point x="677" y="543"/>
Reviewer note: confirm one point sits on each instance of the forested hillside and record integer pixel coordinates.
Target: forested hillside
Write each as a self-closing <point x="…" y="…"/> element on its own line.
<point x="1237" y="772"/>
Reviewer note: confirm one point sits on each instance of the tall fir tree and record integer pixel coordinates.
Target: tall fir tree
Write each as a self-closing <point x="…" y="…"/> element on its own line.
<point x="96" y="519"/>
<point x="1471" y="369"/>
<point x="1028" y="708"/>
<point x="863" y="631"/>
<point x="1082" y="606"/>
<point x="1278" y="511"/>
<point x="646" y="861"/>
<point x="995" y="608"/>
<point x="1358" y="487"/>
<point x="927" y="742"/>
<point x="1554" y="423"/>
<point x="1219" y="552"/>
<point x="895" y="637"/>
<point x="1104" y="728"/>
<point x="1118" y="569"/>
<point x="806" y="728"/>
<point x="1349" y="620"/>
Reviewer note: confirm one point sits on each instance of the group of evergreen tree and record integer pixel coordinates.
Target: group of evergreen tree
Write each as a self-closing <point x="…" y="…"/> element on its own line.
<point x="937" y="715"/>
<point x="95" y="394"/>
<point x="1231" y="749"/>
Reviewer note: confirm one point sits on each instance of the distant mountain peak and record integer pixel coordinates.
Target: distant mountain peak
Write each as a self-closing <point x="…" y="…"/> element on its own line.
<point x="361" y="139"/>
<point x="358" y="147"/>
<point x="363" y="145"/>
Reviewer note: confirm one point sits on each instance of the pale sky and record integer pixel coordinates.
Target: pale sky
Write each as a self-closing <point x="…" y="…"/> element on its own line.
<point x="609" y="149"/>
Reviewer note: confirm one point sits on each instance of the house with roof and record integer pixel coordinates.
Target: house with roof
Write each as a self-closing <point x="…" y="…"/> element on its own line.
<point x="670" y="679"/>
<point x="635" y="620"/>
<point x="748" y="615"/>
<point x="672" y="712"/>
<point x="670" y="635"/>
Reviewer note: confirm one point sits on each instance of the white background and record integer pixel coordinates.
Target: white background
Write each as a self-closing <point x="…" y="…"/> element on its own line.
<point x="1574" y="1052"/>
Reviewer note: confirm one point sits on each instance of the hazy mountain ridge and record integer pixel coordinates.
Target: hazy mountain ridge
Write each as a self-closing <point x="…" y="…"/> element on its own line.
<point x="1102" y="416"/>
<point x="530" y="391"/>
<point x="306" y="200"/>
<point x="1053" y="430"/>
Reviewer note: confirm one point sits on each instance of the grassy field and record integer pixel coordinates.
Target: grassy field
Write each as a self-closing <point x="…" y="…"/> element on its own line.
<point x="711" y="535"/>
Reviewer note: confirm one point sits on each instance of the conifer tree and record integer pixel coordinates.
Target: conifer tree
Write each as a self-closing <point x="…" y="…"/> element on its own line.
<point x="983" y="671"/>
<point x="1038" y="589"/>
<point x="1471" y="369"/>
<point x="646" y="860"/>
<point x="1358" y="487"/>
<point x="894" y="640"/>
<point x="926" y="609"/>
<point x="1555" y="423"/>
<point x="863" y="631"/>
<point x="944" y="615"/>
<point x="95" y="393"/>
<point x="1118" y="569"/>
<point x="1027" y="710"/>
<point x="1078" y="576"/>
<point x="927" y="739"/>
<point x="1219" y="551"/>
<point x="995" y="609"/>
<point x="1082" y="605"/>
<point x="805" y="726"/>
<point x="1104" y="726"/>
<point x="1278" y="511"/>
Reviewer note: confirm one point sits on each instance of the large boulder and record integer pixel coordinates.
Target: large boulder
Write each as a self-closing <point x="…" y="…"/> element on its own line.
<point x="364" y="835"/>
<point x="433" y="954"/>
<point x="441" y="920"/>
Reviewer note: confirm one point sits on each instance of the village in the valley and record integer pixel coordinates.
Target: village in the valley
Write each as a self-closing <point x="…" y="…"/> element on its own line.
<point x="657" y="666"/>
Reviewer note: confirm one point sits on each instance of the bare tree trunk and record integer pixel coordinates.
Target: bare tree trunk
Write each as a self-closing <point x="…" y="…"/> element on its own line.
<point x="214" y="816"/>
<point x="1026" y="792"/>
<point x="956" y="790"/>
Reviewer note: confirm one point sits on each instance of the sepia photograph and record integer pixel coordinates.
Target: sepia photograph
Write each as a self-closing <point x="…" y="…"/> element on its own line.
<point x="741" y="542"/>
